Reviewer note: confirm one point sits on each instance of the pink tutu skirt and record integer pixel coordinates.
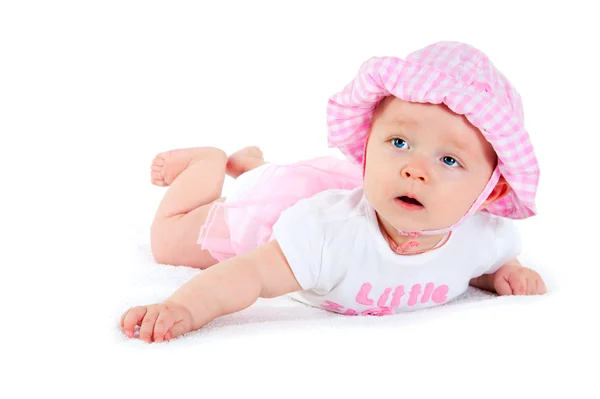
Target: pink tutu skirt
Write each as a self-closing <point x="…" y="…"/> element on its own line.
<point x="245" y="221"/>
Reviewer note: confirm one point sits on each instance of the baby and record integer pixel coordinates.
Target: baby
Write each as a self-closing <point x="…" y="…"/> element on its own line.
<point x="438" y="163"/>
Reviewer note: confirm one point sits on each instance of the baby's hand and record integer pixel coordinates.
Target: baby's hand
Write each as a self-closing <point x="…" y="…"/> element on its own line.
<point x="158" y="322"/>
<point x="518" y="280"/>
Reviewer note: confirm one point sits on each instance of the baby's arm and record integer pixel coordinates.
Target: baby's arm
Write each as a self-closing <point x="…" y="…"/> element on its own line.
<point x="502" y="273"/>
<point x="511" y="279"/>
<point x="225" y="288"/>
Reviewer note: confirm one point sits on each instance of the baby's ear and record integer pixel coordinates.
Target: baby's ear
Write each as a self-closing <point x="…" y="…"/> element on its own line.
<point x="502" y="189"/>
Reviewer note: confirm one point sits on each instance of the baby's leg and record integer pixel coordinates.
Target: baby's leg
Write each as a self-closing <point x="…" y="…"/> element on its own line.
<point x="195" y="178"/>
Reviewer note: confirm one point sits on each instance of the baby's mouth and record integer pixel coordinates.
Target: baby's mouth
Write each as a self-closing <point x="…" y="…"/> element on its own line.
<point x="409" y="200"/>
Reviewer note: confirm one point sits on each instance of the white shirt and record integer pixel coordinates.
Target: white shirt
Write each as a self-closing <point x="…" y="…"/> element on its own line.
<point x="343" y="263"/>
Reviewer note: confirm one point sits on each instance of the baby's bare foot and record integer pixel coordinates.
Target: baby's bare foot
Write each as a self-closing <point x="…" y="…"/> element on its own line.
<point x="244" y="160"/>
<point x="166" y="166"/>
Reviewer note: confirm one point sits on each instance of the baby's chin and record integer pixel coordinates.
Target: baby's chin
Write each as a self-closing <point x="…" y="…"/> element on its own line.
<point x="401" y="222"/>
<point x="411" y="222"/>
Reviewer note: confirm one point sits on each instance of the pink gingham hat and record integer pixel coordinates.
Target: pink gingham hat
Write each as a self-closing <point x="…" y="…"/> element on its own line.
<point x="464" y="79"/>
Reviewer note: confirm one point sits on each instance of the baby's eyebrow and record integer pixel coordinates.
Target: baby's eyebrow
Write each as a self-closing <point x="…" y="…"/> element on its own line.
<point x="402" y="122"/>
<point x="460" y="145"/>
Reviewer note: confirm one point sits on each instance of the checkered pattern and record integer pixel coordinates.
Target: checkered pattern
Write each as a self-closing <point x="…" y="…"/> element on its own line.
<point x="464" y="79"/>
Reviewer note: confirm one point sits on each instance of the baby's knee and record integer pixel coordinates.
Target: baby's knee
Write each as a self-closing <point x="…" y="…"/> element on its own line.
<point x="161" y="253"/>
<point x="214" y="153"/>
<point x="161" y="246"/>
<point x="174" y="253"/>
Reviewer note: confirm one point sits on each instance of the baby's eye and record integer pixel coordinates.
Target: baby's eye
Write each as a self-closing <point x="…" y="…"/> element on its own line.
<point x="399" y="143"/>
<point x="450" y="161"/>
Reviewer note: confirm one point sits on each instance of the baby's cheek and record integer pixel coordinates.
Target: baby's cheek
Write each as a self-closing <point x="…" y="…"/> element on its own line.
<point x="447" y="205"/>
<point x="386" y="191"/>
<point x="379" y="186"/>
<point x="463" y="198"/>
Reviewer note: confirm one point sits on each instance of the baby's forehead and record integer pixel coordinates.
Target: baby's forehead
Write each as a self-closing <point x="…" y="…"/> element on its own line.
<point x="403" y="114"/>
<point x="449" y="127"/>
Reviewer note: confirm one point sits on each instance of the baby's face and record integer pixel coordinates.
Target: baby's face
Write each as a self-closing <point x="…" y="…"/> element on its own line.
<point x="428" y="153"/>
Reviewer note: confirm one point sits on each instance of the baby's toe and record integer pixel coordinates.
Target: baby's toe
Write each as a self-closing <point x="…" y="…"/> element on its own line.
<point x="159" y="160"/>
<point x="157" y="178"/>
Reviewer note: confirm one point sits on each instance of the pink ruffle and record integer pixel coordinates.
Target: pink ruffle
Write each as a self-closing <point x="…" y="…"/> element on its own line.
<point x="233" y="228"/>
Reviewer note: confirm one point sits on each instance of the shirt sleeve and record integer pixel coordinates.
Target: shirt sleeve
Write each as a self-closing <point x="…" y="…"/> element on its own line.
<point x="506" y="246"/>
<point x="299" y="232"/>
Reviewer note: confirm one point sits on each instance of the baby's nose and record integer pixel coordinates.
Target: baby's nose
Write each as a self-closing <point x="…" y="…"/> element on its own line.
<point x="415" y="173"/>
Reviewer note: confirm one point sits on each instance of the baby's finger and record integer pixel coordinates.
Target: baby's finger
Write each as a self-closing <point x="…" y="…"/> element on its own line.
<point x="531" y="286"/>
<point x="123" y="319"/>
<point x="124" y="315"/>
<point x="540" y="286"/>
<point x="132" y="318"/>
<point x="502" y="286"/>
<point x="518" y="284"/>
<point x="163" y="323"/>
<point x="180" y="328"/>
<point x="147" y="328"/>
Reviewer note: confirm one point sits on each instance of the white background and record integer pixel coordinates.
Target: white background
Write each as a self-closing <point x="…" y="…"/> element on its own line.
<point x="91" y="91"/>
